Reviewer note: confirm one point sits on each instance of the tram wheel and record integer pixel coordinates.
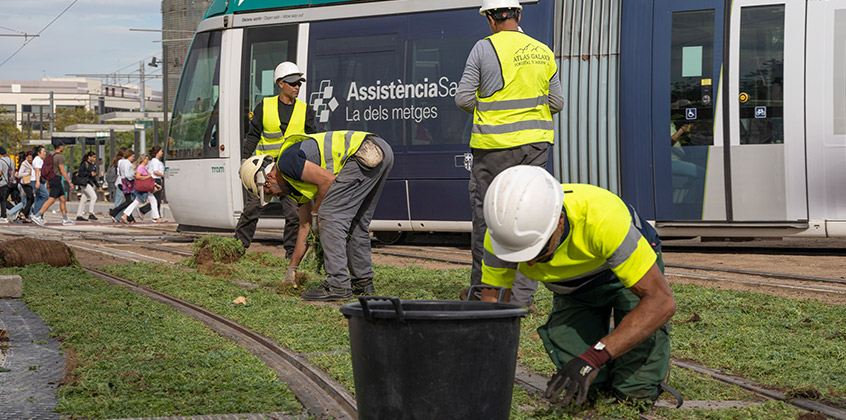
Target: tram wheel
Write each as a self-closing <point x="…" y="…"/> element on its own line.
<point x="390" y="237"/>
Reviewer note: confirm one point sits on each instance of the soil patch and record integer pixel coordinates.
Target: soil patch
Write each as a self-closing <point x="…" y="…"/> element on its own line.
<point x="71" y="376"/>
<point x="25" y="251"/>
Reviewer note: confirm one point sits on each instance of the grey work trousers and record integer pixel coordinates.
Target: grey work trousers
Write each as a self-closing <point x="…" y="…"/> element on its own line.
<point x="487" y="164"/>
<point x="345" y="215"/>
<point x="246" y="227"/>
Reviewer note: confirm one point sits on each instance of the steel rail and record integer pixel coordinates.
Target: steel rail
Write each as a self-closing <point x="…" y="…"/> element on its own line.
<point x="321" y="395"/>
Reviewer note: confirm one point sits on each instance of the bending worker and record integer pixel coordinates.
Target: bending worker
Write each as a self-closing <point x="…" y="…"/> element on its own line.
<point x="275" y="118"/>
<point x="511" y="86"/>
<point x="343" y="172"/>
<point x="598" y="257"/>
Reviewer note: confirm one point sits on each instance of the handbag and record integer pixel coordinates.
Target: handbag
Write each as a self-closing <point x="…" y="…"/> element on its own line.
<point x="145" y="185"/>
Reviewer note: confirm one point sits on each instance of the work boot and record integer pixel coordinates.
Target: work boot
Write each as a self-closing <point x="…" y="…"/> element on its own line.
<point x="327" y="293"/>
<point x="363" y="287"/>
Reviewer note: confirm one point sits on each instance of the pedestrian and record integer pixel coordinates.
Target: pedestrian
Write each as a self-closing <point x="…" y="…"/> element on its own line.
<point x="86" y="180"/>
<point x="141" y="197"/>
<point x="345" y="190"/>
<point x="24" y="174"/>
<point x="7" y="182"/>
<point x="53" y="172"/>
<point x="39" y="185"/>
<point x="511" y="87"/>
<point x="157" y="169"/>
<point x="272" y="120"/>
<point x="598" y="257"/>
<point x="124" y="185"/>
<point x="111" y="178"/>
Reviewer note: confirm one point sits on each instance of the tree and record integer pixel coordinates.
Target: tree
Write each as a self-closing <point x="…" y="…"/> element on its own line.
<point x="10" y="137"/>
<point x="66" y="117"/>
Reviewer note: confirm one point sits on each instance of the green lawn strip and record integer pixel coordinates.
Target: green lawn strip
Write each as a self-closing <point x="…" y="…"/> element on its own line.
<point x="420" y="283"/>
<point x="137" y="358"/>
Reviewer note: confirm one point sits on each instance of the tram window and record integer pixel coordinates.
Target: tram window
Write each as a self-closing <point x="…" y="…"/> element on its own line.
<point x="194" y="128"/>
<point x="362" y="75"/>
<point x="438" y="48"/>
<point x="839" y="82"/>
<point x="692" y="78"/>
<point x="265" y="47"/>
<point x="761" y="74"/>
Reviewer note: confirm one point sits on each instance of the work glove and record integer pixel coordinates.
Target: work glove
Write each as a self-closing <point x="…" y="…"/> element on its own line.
<point x="290" y="275"/>
<point x="576" y="376"/>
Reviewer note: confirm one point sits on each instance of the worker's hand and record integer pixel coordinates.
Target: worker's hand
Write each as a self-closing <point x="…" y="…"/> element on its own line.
<point x="290" y="275"/>
<point x="576" y="376"/>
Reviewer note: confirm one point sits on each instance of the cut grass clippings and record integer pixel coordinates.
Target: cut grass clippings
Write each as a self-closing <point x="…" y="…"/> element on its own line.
<point x="133" y="357"/>
<point x="321" y="331"/>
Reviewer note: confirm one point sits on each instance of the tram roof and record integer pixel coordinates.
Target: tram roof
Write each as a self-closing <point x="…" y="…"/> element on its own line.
<point x="228" y="7"/>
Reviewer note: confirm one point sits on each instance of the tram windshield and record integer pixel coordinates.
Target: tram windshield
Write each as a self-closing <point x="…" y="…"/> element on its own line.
<point x="194" y="128"/>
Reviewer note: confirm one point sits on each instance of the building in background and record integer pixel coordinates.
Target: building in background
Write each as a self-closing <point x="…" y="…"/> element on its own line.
<point x="27" y="102"/>
<point x="179" y="16"/>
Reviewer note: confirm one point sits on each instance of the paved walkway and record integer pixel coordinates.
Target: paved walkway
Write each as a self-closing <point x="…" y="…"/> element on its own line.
<point x="35" y="364"/>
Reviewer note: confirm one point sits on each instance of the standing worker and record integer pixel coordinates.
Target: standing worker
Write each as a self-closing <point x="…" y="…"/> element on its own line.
<point x="511" y="86"/>
<point x="597" y="256"/>
<point x="274" y="119"/>
<point x="345" y="190"/>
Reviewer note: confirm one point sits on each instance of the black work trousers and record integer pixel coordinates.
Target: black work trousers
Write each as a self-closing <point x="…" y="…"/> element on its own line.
<point x="246" y="227"/>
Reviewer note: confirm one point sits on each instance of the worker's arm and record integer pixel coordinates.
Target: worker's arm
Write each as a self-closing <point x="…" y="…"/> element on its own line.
<point x="322" y="178"/>
<point x="254" y="129"/>
<point x="556" y="94"/>
<point x="304" y="211"/>
<point x="465" y="95"/>
<point x="655" y="308"/>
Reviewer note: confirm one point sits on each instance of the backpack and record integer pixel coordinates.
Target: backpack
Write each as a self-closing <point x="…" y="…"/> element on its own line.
<point x="111" y="175"/>
<point x="47" y="172"/>
<point x="7" y="174"/>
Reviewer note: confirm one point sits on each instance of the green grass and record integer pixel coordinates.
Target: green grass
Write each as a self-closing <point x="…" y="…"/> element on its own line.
<point x="134" y="357"/>
<point x="308" y="328"/>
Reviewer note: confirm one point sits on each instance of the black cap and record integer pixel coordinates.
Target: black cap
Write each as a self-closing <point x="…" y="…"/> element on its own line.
<point x="2" y="150"/>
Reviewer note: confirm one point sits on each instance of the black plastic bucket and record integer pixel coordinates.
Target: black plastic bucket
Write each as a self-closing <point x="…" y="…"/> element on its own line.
<point x="433" y="359"/>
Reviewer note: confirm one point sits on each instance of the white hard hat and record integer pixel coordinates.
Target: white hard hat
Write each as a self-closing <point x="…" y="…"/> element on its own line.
<point x="522" y="208"/>
<point x="499" y="4"/>
<point x="253" y="175"/>
<point x="288" y="72"/>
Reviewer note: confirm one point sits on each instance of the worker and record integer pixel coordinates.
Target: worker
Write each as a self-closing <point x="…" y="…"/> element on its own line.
<point x="511" y="87"/>
<point x="273" y="119"/>
<point x="599" y="258"/>
<point x="345" y="190"/>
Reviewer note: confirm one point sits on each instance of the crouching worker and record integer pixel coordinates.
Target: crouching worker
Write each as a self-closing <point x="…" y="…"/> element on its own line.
<point x="598" y="257"/>
<point x="343" y="172"/>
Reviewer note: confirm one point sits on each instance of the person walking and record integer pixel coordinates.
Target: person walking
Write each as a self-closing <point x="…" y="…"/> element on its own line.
<point x="7" y="182"/>
<point x="39" y="185"/>
<point x="598" y="257"/>
<point x="157" y="169"/>
<point x="24" y="175"/>
<point x="345" y="190"/>
<point x="511" y="86"/>
<point x="141" y="197"/>
<point x="53" y="172"/>
<point x="111" y="177"/>
<point x="124" y="185"/>
<point x="86" y="180"/>
<point x="272" y="120"/>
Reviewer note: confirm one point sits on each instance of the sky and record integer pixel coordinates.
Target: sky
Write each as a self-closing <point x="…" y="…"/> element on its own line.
<point x="91" y="37"/>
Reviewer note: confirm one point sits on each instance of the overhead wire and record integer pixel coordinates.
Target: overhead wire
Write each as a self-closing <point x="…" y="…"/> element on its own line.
<point x="39" y="33"/>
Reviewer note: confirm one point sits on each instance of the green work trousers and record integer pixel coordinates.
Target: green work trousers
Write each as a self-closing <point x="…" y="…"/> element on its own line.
<point x="579" y="320"/>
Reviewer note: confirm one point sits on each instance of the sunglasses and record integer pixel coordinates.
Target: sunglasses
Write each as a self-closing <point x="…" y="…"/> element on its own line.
<point x="295" y="84"/>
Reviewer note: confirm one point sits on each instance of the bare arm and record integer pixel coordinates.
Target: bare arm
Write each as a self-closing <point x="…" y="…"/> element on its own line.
<point x="64" y="172"/>
<point x="314" y="174"/>
<point x="37" y="178"/>
<point x="655" y="308"/>
<point x="300" y="248"/>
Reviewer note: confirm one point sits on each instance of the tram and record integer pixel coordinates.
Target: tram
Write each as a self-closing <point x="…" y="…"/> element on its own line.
<point x="710" y="121"/>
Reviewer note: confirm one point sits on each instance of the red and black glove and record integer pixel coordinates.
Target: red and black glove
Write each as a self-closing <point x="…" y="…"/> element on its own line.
<point x="577" y="375"/>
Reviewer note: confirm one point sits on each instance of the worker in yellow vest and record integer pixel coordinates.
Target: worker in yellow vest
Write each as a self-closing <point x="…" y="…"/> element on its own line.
<point x="511" y="87"/>
<point x="600" y="259"/>
<point x="336" y="178"/>
<point x="273" y="119"/>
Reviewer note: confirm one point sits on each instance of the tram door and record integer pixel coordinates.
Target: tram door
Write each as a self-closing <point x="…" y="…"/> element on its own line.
<point x="766" y="125"/>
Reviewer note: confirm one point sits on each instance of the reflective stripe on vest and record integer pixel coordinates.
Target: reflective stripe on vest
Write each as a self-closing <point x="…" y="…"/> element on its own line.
<point x="272" y="136"/>
<point x="518" y="113"/>
<point x="335" y="148"/>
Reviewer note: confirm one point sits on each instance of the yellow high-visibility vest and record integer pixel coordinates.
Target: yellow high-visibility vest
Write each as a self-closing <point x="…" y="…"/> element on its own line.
<point x="518" y="113"/>
<point x="336" y="148"/>
<point x="271" y="135"/>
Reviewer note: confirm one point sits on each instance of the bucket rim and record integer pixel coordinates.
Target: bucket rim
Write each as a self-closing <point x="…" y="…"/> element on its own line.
<point x="387" y="309"/>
